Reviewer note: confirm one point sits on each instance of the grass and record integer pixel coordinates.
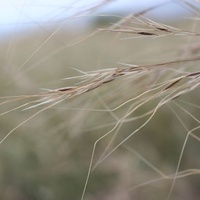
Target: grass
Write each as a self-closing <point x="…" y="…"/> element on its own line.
<point x="108" y="114"/>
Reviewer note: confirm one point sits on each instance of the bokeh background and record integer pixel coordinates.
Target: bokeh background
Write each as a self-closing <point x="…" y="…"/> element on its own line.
<point x="48" y="156"/>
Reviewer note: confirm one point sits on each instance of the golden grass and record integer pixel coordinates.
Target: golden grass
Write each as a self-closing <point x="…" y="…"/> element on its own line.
<point x="128" y="108"/>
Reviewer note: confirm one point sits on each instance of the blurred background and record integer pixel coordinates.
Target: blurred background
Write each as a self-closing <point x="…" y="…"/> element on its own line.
<point x="47" y="156"/>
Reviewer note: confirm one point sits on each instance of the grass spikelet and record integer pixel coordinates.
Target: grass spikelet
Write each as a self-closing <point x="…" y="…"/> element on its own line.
<point x="109" y="113"/>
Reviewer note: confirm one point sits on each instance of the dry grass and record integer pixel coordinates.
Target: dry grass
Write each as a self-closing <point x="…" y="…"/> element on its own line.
<point x="135" y="123"/>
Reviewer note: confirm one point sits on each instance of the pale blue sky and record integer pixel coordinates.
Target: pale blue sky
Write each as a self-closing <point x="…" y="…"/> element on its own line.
<point x="15" y="14"/>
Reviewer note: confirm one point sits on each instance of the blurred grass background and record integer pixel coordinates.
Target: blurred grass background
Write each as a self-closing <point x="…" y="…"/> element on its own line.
<point x="48" y="157"/>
